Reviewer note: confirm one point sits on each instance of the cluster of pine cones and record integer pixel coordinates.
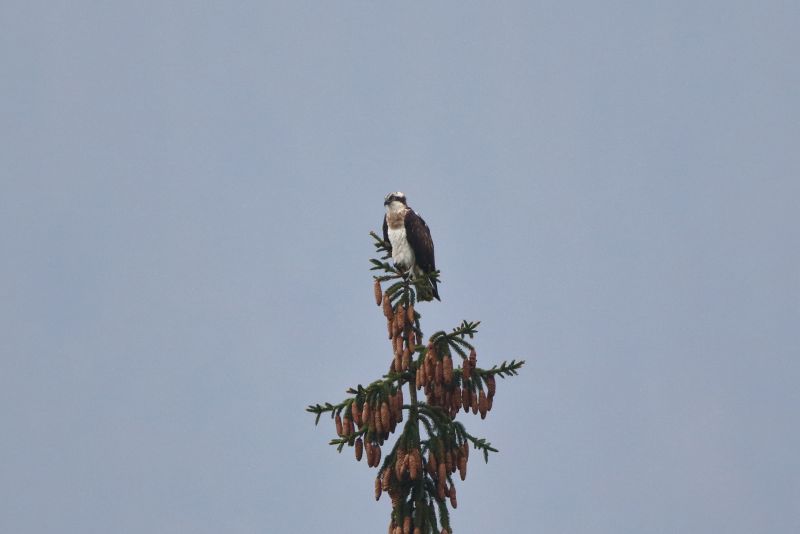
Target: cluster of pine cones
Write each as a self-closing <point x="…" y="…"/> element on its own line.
<point x="377" y="416"/>
<point x="445" y="387"/>
<point x="444" y="390"/>
<point x="400" y="323"/>
<point x="407" y="466"/>
<point x="396" y="479"/>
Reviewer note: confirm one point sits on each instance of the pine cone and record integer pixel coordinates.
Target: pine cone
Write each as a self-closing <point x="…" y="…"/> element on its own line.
<point x="407" y="525"/>
<point x="474" y="400"/>
<point x="466" y="398"/>
<point x="398" y="415"/>
<point x="482" y="404"/>
<point x="462" y="467"/>
<point x="338" y="422"/>
<point x="465" y="450"/>
<point x="453" y="500"/>
<point x="366" y="412"/>
<point x="398" y="325"/>
<point x="400" y="463"/>
<point x="377" y="489"/>
<point x="386" y="420"/>
<point x="430" y="367"/>
<point x="347" y="425"/>
<point x="359" y="449"/>
<point x="395" y="330"/>
<point x="473" y="358"/>
<point x="377" y="454"/>
<point x="370" y="452"/>
<point x="355" y="411"/>
<point x="414" y="464"/>
<point x="442" y="473"/>
<point x="417" y="530"/>
<point x="386" y="479"/>
<point x="439" y="374"/>
<point x="400" y="318"/>
<point x="412" y="340"/>
<point x="387" y="307"/>
<point x="410" y="313"/>
<point x="489" y="402"/>
<point x="378" y="292"/>
<point x="406" y="361"/>
<point x="491" y="385"/>
<point x="447" y="369"/>
<point x="455" y="401"/>
<point x="467" y="369"/>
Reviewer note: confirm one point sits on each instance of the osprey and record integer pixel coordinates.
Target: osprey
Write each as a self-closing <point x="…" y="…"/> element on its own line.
<point x="408" y="239"/>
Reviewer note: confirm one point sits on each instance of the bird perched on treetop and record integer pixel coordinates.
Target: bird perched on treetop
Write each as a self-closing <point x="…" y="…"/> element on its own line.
<point x="409" y="241"/>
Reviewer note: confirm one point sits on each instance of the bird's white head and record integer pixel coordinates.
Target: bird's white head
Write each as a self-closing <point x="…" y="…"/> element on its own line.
<point x="395" y="202"/>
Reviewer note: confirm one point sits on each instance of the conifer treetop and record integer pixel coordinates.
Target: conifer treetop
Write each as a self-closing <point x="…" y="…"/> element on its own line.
<point x="417" y="471"/>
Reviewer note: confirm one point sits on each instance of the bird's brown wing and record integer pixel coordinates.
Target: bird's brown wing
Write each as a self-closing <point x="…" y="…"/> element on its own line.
<point x="419" y="237"/>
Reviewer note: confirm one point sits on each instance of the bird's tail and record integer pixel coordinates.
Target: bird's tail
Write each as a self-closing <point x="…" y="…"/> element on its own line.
<point x="435" y="290"/>
<point x="427" y="288"/>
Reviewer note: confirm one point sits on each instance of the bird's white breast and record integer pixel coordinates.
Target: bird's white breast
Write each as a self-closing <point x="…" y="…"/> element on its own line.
<point x="402" y="254"/>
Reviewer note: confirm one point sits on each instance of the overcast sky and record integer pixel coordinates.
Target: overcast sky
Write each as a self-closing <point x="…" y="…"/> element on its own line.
<point x="186" y="192"/>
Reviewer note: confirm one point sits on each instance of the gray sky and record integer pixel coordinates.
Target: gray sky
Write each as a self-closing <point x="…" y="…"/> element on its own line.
<point x="185" y="197"/>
